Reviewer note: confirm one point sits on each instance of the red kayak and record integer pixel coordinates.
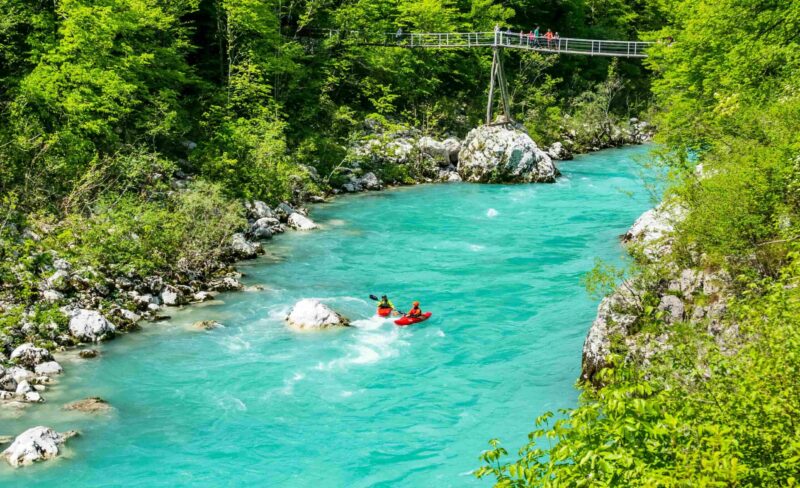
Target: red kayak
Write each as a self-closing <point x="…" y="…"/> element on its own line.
<point x="405" y="320"/>
<point x="384" y="312"/>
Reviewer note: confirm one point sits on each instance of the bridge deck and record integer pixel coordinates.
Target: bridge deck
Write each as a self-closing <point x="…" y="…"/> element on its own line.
<point x="512" y="40"/>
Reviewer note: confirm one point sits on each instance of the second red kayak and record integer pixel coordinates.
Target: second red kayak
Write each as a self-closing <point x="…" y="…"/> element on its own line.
<point x="384" y="312"/>
<point x="403" y="321"/>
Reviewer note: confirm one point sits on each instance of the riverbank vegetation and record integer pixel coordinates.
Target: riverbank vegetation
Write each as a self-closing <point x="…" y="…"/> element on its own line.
<point x="717" y="403"/>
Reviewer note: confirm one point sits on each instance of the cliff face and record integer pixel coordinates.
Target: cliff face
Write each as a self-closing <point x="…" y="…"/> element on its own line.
<point x="636" y="321"/>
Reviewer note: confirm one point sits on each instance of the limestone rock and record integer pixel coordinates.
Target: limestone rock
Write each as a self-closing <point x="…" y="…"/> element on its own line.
<point x="244" y="249"/>
<point x="206" y="325"/>
<point x="653" y="229"/>
<point x="370" y="182"/>
<point x="453" y="147"/>
<point x="29" y="355"/>
<point x="91" y="326"/>
<point x="500" y="154"/>
<point x="33" y="445"/>
<point x="674" y="308"/>
<point x="300" y="222"/>
<point x="310" y="314"/>
<point x="89" y="405"/>
<point x="434" y="150"/>
<point x="172" y="296"/>
<point x="49" y="368"/>
<point x="614" y="317"/>
<point x="259" y="210"/>
<point x="559" y="152"/>
<point x="88" y="353"/>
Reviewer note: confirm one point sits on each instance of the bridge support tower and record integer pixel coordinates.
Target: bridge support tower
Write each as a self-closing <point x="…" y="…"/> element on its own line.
<point x="498" y="79"/>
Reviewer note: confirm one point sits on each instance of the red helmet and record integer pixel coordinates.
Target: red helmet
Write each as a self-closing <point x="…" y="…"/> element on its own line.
<point x="416" y="303"/>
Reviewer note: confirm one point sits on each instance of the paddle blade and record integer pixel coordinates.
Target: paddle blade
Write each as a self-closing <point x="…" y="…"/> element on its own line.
<point x="373" y="297"/>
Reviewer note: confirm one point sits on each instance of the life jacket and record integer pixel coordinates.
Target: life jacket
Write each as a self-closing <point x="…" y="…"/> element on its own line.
<point x="415" y="312"/>
<point x="385" y="304"/>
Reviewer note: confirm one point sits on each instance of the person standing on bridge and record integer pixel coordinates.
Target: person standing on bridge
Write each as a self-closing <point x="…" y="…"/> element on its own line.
<point x="530" y="38"/>
<point x="549" y="36"/>
<point x="536" y="37"/>
<point x="557" y="41"/>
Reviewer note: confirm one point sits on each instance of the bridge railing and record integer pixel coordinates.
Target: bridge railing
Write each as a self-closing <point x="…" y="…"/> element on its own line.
<point x="506" y="39"/>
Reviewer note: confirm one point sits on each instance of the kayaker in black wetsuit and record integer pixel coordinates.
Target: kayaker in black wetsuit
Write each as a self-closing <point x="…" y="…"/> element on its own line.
<point x="415" y="311"/>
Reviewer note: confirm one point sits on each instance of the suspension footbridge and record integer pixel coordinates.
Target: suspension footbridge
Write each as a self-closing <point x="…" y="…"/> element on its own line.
<point x="497" y="40"/>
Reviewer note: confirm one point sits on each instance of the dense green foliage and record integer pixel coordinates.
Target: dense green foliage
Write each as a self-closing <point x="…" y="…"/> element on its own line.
<point x="708" y="410"/>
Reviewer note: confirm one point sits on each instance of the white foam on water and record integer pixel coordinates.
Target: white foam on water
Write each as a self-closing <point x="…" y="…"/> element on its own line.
<point x="288" y="384"/>
<point x="237" y="344"/>
<point x="231" y="403"/>
<point x="372" y="323"/>
<point x="476" y="247"/>
<point x="370" y="346"/>
<point x="492" y="213"/>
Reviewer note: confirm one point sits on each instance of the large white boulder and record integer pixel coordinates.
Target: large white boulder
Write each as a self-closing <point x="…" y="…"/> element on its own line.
<point x="91" y="326"/>
<point x="499" y="154"/>
<point x="310" y="314"/>
<point x="49" y="368"/>
<point x="299" y="221"/>
<point x="35" y="444"/>
<point x="29" y="355"/>
<point x="615" y="315"/>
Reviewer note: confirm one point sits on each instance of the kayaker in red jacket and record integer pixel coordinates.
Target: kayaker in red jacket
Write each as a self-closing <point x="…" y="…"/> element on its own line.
<point x="415" y="311"/>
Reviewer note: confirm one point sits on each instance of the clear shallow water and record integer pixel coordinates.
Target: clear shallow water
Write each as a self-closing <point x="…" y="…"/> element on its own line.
<point x="373" y="405"/>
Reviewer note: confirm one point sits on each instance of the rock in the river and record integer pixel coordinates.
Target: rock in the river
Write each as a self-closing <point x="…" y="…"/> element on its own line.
<point x="559" y="152"/>
<point x="90" y="326"/>
<point x="310" y="314"/>
<point x="298" y="221"/>
<point x="88" y="353"/>
<point x="35" y="444"/>
<point x="89" y="405"/>
<point x="29" y="355"/>
<point x="49" y="368"/>
<point x="206" y="325"/>
<point x="244" y="249"/>
<point x="500" y="154"/>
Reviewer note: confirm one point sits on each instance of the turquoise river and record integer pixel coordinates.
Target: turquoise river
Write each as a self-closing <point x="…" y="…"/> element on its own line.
<point x="374" y="405"/>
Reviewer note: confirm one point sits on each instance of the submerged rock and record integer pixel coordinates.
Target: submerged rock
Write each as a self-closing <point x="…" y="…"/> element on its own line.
<point x="89" y="353"/>
<point x="310" y="314"/>
<point x="206" y="325"/>
<point x="91" y="326"/>
<point x="34" y="445"/>
<point x="89" y="405"/>
<point x="499" y="154"/>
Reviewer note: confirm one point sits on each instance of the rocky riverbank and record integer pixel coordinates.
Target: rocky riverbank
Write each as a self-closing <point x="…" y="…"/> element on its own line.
<point x="635" y="323"/>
